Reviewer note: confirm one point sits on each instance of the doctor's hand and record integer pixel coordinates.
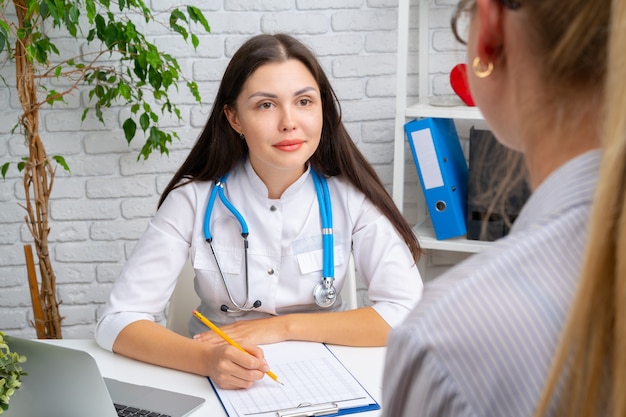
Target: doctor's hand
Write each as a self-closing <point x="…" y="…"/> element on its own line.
<point x="230" y="368"/>
<point x="258" y="331"/>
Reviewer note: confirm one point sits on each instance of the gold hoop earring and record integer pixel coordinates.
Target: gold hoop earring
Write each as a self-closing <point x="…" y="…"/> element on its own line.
<point x="479" y="69"/>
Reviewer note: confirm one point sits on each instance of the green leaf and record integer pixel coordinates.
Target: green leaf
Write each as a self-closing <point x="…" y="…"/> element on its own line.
<point x="98" y="110"/>
<point x="177" y="15"/>
<point x="193" y="88"/>
<point x="90" y="6"/>
<point x="99" y="90"/>
<point x="91" y="35"/>
<point x="124" y="90"/>
<point x="130" y="31"/>
<point x="53" y="96"/>
<point x="179" y="29"/>
<point x="100" y="26"/>
<point x="155" y="78"/>
<point x="153" y="58"/>
<point x="130" y="128"/>
<point x="61" y="161"/>
<point x="197" y="16"/>
<point x="51" y="10"/>
<point x="110" y="36"/>
<point x="144" y="121"/>
<point x="4" y="35"/>
<point x="4" y="169"/>
<point x="156" y="136"/>
<point x="3" y="41"/>
<point x="70" y="19"/>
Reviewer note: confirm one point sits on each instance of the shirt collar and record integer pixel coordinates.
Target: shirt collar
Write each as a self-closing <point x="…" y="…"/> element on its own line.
<point x="258" y="186"/>
<point x="570" y="185"/>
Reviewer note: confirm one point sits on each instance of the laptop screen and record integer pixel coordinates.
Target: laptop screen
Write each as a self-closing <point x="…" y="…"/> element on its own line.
<point x="66" y="382"/>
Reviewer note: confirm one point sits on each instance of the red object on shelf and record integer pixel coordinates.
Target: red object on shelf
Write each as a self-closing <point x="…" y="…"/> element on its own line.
<point x="458" y="81"/>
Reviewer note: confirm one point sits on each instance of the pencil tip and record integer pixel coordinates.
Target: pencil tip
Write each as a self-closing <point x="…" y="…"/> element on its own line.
<point x="280" y="383"/>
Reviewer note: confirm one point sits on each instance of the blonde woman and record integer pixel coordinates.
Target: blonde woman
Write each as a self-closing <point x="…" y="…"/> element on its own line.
<point x="595" y="335"/>
<point x="481" y="341"/>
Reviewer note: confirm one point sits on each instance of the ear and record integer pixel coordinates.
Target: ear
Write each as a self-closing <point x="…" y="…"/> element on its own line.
<point x="489" y="30"/>
<point x="231" y="115"/>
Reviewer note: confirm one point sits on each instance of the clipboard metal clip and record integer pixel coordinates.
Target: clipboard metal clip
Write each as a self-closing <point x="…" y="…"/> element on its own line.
<point x="309" y="410"/>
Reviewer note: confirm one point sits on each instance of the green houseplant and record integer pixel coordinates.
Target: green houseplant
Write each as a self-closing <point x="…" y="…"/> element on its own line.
<point x="10" y="373"/>
<point x="119" y="67"/>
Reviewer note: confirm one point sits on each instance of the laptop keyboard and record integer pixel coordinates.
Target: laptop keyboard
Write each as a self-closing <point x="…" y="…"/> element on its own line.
<point x="125" y="411"/>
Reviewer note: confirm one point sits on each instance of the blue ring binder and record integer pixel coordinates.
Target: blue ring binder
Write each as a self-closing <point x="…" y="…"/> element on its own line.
<point x="443" y="173"/>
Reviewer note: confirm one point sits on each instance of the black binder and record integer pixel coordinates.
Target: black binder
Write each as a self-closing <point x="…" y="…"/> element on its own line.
<point x="497" y="187"/>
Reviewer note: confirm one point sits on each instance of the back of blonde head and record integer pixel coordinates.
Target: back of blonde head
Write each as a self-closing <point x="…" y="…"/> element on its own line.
<point x="591" y="359"/>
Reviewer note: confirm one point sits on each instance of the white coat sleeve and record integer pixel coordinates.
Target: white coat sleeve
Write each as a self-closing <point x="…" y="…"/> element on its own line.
<point x="148" y="278"/>
<point x="386" y="266"/>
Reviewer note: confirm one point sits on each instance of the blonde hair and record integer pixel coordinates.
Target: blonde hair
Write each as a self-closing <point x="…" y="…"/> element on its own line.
<point x="589" y="368"/>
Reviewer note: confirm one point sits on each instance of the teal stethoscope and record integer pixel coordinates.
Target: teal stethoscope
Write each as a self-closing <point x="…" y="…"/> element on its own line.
<point x="324" y="293"/>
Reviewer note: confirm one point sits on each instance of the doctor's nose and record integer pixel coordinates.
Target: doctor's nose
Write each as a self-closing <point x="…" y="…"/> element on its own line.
<point x="287" y="122"/>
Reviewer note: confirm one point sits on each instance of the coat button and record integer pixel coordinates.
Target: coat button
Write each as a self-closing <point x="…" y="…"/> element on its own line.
<point x="270" y="271"/>
<point x="272" y="208"/>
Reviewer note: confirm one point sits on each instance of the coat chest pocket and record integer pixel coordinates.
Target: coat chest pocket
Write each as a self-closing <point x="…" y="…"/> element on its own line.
<point x="230" y="260"/>
<point x="310" y="254"/>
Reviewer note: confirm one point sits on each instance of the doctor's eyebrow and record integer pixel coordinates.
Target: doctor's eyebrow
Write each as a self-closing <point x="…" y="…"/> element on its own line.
<point x="272" y="95"/>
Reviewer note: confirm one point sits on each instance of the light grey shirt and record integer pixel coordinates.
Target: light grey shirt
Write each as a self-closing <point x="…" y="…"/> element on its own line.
<point x="480" y="342"/>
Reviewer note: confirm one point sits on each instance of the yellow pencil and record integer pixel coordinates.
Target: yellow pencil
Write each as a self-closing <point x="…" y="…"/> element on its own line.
<point x="230" y="341"/>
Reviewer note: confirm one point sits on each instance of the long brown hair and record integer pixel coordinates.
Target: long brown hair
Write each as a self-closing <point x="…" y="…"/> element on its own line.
<point x="218" y="148"/>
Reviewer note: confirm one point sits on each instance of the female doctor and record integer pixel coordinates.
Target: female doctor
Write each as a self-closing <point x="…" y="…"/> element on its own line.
<point x="270" y="203"/>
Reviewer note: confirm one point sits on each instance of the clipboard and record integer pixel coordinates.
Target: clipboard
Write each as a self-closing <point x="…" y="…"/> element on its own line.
<point x="316" y="383"/>
<point x="443" y="173"/>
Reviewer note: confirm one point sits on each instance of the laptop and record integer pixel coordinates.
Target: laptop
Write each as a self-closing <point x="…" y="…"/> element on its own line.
<point x="64" y="382"/>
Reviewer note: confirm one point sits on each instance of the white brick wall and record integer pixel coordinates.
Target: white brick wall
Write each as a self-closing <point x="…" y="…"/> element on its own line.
<point x="98" y="212"/>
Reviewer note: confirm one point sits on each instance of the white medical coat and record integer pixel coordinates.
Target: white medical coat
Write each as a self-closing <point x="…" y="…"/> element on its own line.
<point x="285" y="254"/>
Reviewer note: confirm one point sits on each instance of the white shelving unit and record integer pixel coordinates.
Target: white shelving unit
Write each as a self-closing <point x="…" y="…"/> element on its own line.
<point x="405" y="112"/>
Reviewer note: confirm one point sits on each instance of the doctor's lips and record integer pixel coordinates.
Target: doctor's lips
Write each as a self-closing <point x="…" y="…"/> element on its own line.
<point x="289" y="145"/>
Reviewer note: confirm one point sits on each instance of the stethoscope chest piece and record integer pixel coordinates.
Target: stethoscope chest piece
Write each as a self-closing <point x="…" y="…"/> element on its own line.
<point x="325" y="293"/>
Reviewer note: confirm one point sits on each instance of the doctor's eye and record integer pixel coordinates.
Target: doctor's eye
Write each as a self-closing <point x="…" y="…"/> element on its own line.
<point x="266" y="105"/>
<point x="304" y="102"/>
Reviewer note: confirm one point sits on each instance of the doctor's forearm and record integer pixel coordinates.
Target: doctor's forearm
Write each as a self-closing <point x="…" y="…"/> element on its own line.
<point x="359" y="327"/>
<point x="150" y="342"/>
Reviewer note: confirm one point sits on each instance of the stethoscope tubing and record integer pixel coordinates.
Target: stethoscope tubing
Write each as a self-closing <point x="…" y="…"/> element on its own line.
<point x="326" y="213"/>
<point x="328" y="266"/>
<point x="218" y="189"/>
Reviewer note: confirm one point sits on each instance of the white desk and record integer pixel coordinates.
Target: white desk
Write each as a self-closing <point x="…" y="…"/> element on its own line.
<point x="366" y="364"/>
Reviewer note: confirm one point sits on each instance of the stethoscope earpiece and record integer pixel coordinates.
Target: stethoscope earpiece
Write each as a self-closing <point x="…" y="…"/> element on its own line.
<point x="225" y="308"/>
